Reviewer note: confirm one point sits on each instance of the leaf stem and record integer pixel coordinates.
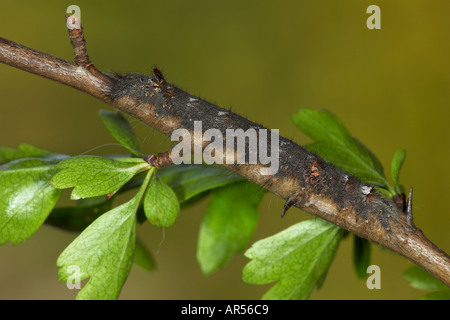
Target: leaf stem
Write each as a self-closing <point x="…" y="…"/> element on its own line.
<point x="145" y="183"/>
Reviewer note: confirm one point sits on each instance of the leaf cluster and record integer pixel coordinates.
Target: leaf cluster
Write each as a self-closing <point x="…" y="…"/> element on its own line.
<point x="32" y="180"/>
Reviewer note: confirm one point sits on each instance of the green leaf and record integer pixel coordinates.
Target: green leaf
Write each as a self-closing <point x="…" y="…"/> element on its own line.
<point x="161" y="204"/>
<point x="142" y="257"/>
<point x="228" y="225"/>
<point x="297" y="257"/>
<point x="78" y="217"/>
<point x="26" y="198"/>
<point x="333" y="142"/>
<point x="94" y="176"/>
<point x="420" y="279"/>
<point x="121" y="130"/>
<point x="361" y="256"/>
<point x="26" y="151"/>
<point x="396" y="165"/>
<point x="104" y="251"/>
<point x="190" y="180"/>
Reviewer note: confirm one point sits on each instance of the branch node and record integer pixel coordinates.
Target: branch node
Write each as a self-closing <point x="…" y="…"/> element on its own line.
<point x="159" y="160"/>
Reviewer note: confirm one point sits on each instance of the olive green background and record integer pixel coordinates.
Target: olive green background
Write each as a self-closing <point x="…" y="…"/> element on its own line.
<point x="263" y="60"/>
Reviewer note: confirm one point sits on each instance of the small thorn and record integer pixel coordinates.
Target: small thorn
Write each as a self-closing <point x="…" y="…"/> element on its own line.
<point x="409" y="212"/>
<point x="289" y="203"/>
<point x="409" y="204"/>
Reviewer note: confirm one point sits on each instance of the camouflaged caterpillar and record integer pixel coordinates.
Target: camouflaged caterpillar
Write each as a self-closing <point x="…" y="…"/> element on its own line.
<point x="154" y="96"/>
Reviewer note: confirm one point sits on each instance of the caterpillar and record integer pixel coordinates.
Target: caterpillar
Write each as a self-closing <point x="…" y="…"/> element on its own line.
<point x="306" y="177"/>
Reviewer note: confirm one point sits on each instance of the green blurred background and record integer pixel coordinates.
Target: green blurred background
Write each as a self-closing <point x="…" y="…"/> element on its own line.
<point x="264" y="60"/>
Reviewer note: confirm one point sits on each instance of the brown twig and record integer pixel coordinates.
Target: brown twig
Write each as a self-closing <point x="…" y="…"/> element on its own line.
<point x="76" y="37"/>
<point x="304" y="180"/>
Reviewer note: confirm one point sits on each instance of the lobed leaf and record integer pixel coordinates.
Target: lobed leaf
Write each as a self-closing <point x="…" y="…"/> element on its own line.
<point x="93" y="176"/>
<point x="297" y="258"/>
<point x="228" y="224"/>
<point x="121" y="130"/>
<point x="103" y="252"/>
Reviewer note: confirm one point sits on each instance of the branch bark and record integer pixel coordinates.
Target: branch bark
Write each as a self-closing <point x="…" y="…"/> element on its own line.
<point x="303" y="179"/>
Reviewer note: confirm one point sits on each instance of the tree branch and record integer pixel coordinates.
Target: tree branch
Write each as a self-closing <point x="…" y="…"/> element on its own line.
<point x="303" y="179"/>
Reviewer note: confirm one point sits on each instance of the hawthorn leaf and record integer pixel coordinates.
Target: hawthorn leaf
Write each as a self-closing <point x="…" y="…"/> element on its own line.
<point x="297" y="258"/>
<point x="161" y="204"/>
<point x="333" y="142"/>
<point x="121" y="130"/>
<point x="228" y="224"/>
<point x="103" y="252"/>
<point x="93" y="176"/>
<point x="26" y="198"/>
